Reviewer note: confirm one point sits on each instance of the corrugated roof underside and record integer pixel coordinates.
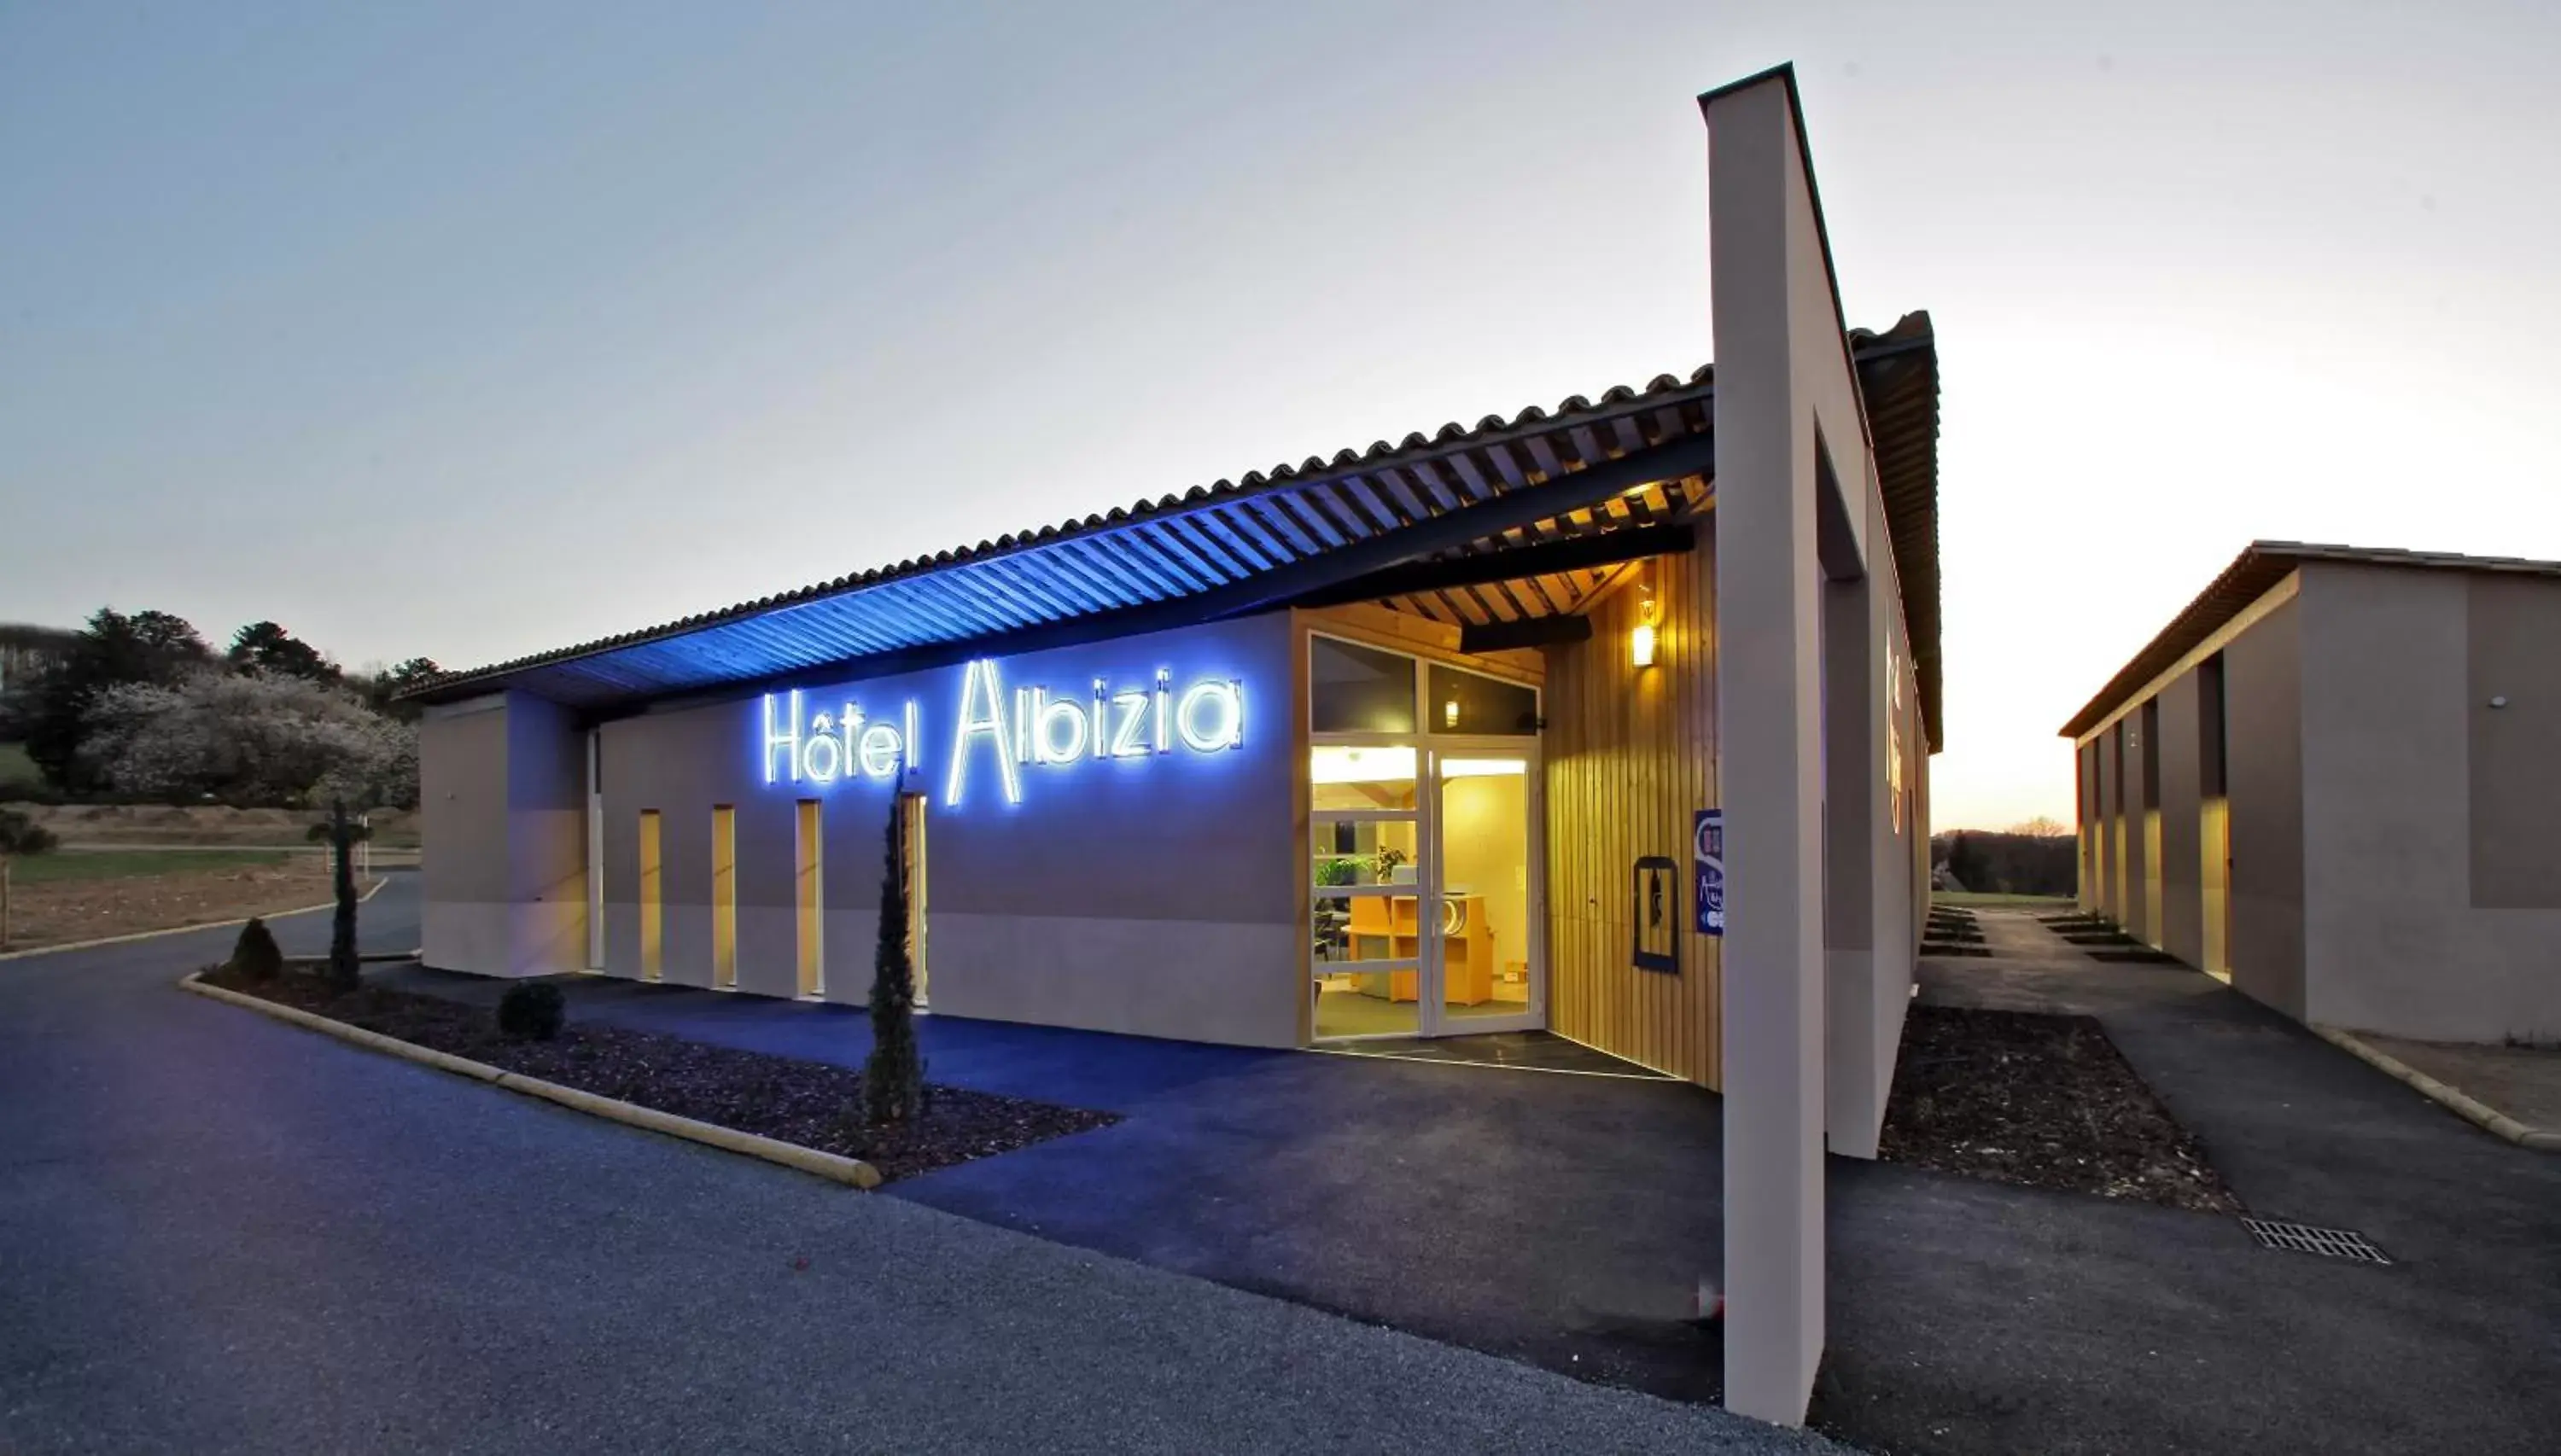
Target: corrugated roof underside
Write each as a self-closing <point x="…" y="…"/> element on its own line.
<point x="1898" y="375"/>
<point x="1165" y="550"/>
<point x="1152" y="553"/>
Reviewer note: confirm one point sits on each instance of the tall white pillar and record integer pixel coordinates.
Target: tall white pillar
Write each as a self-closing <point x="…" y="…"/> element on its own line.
<point x="1769" y="614"/>
<point x="1800" y="546"/>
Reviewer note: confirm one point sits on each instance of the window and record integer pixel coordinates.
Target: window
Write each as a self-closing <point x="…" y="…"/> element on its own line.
<point x="594" y="850"/>
<point x="653" y="907"/>
<point x="723" y="896"/>
<point x="808" y="880"/>
<point x="2213" y="761"/>
<point x="1467" y="703"/>
<point x="1358" y="690"/>
<point x="913" y="806"/>
<point x="2151" y="748"/>
<point x="2113" y="785"/>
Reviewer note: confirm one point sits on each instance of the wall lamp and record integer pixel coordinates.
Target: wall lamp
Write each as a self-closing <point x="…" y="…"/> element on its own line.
<point x="1641" y="643"/>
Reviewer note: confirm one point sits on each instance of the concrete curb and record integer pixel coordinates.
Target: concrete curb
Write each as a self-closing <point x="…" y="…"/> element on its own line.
<point x="2473" y="1110"/>
<point x="181" y="929"/>
<point x="852" y="1172"/>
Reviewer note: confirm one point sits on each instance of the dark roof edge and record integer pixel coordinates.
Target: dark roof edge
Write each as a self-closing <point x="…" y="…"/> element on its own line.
<point x="2393" y="556"/>
<point x="2263" y="565"/>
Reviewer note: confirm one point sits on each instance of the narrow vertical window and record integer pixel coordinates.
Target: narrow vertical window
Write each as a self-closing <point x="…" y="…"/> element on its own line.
<point x="915" y="812"/>
<point x="594" y="850"/>
<point x="2214" y="757"/>
<point x="809" y="873"/>
<point x="723" y="896"/>
<point x="2151" y="751"/>
<point x="652" y="910"/>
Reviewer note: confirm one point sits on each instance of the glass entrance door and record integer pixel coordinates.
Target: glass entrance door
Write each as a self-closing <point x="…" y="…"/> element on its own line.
<point x="1484" y="893"/>
<point x="1366" y="819"/>
<point x="1423" y="825"/>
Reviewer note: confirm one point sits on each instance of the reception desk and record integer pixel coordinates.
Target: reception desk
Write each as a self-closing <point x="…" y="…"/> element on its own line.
<point x="1388" y="927"/>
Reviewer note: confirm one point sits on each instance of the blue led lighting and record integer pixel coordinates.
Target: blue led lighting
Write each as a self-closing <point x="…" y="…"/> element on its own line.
<point x="1026" y="728"/>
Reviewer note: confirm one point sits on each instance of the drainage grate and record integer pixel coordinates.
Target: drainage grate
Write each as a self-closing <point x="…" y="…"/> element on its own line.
<point x="2302" y="1238"/>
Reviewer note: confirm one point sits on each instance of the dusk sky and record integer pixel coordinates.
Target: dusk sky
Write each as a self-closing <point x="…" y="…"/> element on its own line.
<point x="474" y="330"/>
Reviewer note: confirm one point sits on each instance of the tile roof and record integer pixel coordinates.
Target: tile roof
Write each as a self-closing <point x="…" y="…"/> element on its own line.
<point x="1215" y="537"/>
<point x="2253" y="575"/>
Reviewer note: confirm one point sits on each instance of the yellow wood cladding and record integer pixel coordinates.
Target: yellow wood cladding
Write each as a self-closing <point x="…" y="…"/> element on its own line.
<point x="1631" y="756"/>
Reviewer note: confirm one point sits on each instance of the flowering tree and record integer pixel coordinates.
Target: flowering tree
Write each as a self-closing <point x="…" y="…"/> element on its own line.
<point x="272" y="738"/>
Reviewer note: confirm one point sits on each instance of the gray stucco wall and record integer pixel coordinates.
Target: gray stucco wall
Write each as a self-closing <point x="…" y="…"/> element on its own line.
<point x="2513" y="651"/>
<point x="2395" y="935"/>
<point x="1871" y="919"/>
<point x="547" y="834"/>
<point x="1156" y="894"/>
<point x="462" y="820"/>
<point x="2263" y="672"/>
<point x="500" y="784"/>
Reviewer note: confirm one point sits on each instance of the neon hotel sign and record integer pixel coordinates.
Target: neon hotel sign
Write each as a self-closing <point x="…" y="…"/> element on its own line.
<point x="1026" y="729"/>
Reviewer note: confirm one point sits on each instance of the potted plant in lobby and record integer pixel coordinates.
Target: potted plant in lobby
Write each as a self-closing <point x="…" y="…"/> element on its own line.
<point x="1332" y="917"/>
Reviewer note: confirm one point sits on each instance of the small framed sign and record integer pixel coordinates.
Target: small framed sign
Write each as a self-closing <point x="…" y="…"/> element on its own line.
<point x="1655" y="909"/>
<point x="1707" y="869"/>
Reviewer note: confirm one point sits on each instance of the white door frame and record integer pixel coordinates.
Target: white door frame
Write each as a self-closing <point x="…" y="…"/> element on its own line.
<point x="1428" y="748"/>
<point x="1436" y="1020"/>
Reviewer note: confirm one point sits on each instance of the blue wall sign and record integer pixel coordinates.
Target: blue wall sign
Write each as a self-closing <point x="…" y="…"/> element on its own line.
<point x="803" y="742"/>
<point x="1707" y="867"/>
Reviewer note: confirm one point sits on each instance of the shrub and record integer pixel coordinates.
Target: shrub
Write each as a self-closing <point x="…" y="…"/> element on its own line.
<point x="532" y="1011"/>
<point x="254" y="956"/>
<point x="20" y="835"/>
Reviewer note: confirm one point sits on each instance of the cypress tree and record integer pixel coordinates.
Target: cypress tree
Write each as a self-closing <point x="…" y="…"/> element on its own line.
<point x="894" y="1074"/>
<point x="344" y="964"/>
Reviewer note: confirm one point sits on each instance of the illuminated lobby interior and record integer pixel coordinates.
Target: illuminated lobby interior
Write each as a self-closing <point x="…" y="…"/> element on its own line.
<point x="1377" y="841"/>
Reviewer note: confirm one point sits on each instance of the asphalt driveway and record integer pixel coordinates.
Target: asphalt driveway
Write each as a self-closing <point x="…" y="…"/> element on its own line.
<point x="1563" y="1221"/>
<point x="1969" y="1316"/>
<point x="222" y="1234"/>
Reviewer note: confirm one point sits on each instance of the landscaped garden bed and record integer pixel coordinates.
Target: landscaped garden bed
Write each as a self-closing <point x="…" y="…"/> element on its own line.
<point x="813" y="1104"/>
<point x="2136" y="955"/>
<point x="1952" y="933"/>
<point x="2042" y="1101"/>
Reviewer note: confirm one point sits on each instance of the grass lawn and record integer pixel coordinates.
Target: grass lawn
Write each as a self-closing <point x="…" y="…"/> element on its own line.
<point x="16" y="766"/>
<point x="67" y="866"/>
<point x="87" y="894"/>
<point x="1966" y="898"/>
